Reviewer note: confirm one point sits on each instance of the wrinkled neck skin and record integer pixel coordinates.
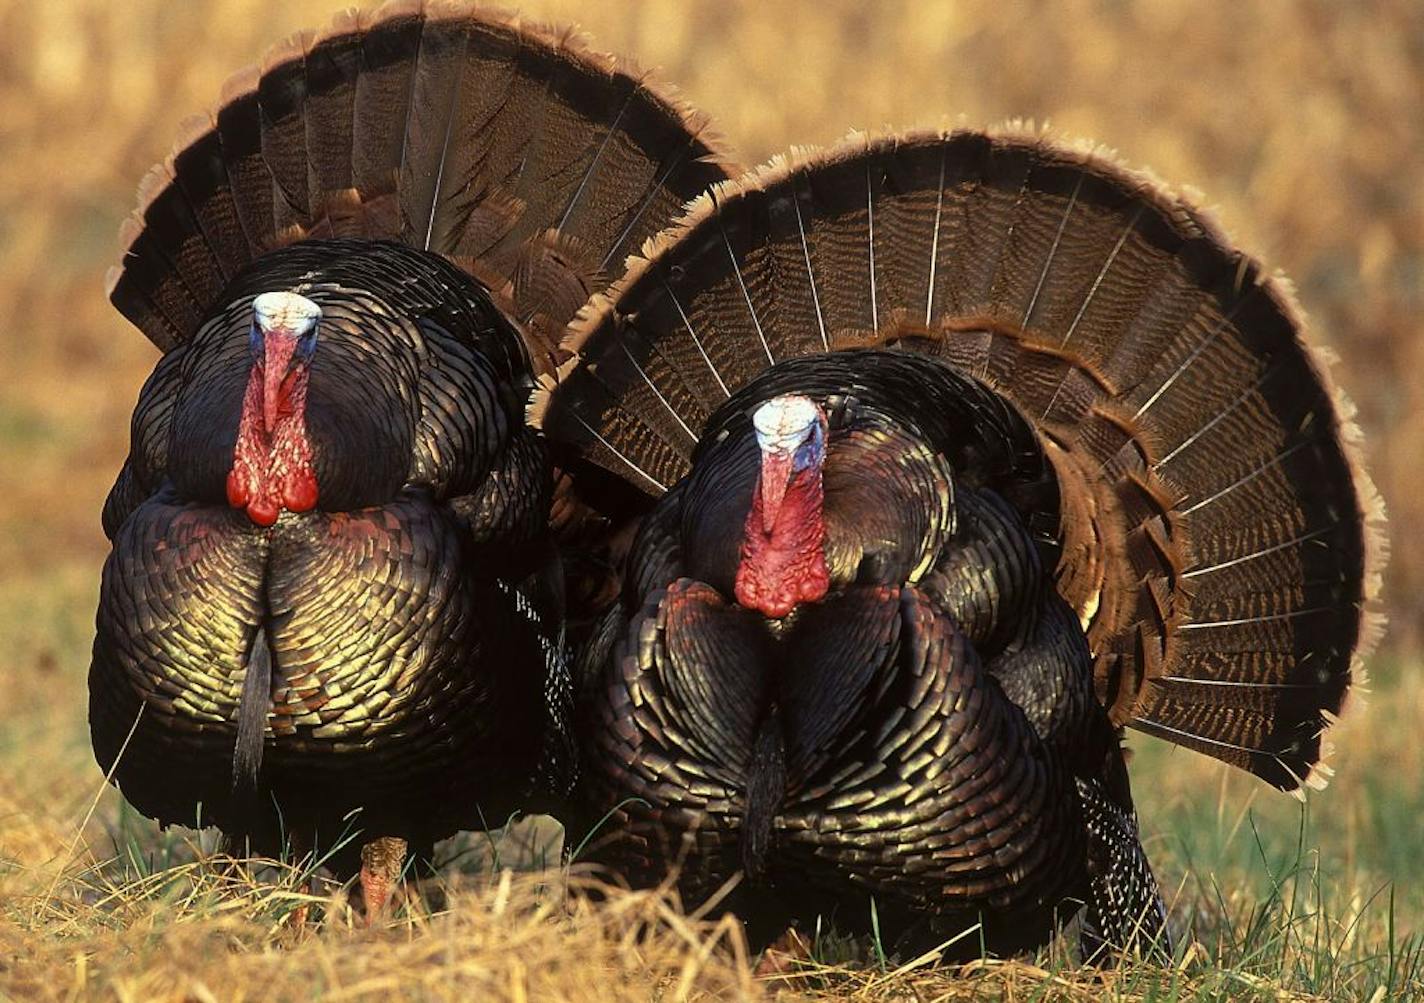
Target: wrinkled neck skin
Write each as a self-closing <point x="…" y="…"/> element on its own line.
<point x="272" y="461"/>
<point x="783" y="559"/>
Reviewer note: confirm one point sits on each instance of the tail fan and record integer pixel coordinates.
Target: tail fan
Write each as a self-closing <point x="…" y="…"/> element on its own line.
<point x="534" y="163"/>
<point x="1219" y="541"/>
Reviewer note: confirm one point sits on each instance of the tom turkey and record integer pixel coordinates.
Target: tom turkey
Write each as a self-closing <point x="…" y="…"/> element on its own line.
<point x="332" y="601"/>
<point x="969" y="450"/>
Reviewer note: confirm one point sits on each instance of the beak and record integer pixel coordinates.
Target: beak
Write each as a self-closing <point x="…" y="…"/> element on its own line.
<point x="775" y="476"/>
<point x="278" y="346"/>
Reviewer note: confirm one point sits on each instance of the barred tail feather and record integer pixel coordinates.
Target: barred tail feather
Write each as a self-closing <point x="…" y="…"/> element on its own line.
<point x="533" y="162"/>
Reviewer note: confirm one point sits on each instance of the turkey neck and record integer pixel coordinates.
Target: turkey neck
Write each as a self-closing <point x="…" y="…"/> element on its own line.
<point x="784" y="564"/>
<point x="272" y="460"/>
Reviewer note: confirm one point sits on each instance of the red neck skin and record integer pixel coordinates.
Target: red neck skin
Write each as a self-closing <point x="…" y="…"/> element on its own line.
<point x="272" y="461"/>
<point x="783" y="559"/>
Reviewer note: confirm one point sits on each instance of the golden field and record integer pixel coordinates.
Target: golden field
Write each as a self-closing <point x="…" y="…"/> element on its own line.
<point x="1303" y="125"/>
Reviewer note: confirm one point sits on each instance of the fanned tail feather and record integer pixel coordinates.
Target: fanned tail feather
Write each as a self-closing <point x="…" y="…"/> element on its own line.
<point x="534" y="163"/>
<point x="1219" y="540"/>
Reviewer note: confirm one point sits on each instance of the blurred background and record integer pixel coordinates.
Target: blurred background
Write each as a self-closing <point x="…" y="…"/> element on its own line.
<point x="1301" y="123"/>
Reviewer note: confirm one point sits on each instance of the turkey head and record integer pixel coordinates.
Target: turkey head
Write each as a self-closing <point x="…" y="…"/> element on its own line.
<point x="272" y="459"/>
<point x="783" y="559"/>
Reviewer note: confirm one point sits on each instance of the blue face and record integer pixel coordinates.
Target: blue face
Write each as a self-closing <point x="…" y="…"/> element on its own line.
<point x="305" y="348"/>
<point x="306" y="345"/>
<point x="811" y="451"/>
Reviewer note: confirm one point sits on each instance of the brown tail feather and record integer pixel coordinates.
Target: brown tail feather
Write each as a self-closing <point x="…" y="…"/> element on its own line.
<point x="1219" y="541"/>
<point x="331" y="72"/>
<point x="500" y="144"/>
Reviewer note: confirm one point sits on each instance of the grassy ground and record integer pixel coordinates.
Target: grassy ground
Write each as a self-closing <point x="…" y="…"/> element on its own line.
<point x="1305" y="124"/>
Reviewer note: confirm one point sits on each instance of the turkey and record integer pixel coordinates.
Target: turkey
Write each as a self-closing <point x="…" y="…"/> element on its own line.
<point x="332" y="599"/>
<point x="969" y="450"/>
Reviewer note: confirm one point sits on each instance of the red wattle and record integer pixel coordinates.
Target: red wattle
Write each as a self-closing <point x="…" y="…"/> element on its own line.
<point x="272" y="459"/>
<point x="236" y="490"/>
<point x="299" y="492"/>
<point x="263" y="511"/>
<point x="785" y="567"/>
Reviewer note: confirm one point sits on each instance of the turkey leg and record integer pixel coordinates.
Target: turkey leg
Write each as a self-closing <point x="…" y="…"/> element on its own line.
<point x="381" y="862"/>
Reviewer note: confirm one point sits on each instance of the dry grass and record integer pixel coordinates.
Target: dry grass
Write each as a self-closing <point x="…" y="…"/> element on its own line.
<point x="1304" y="124"/>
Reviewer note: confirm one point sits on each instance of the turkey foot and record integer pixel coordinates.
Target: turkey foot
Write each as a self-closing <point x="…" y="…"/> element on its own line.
<point x="296" y="921"/>
<point x="298" y="855"/>
<point x="381" y="862"/>
<point x="784" y="957"/>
